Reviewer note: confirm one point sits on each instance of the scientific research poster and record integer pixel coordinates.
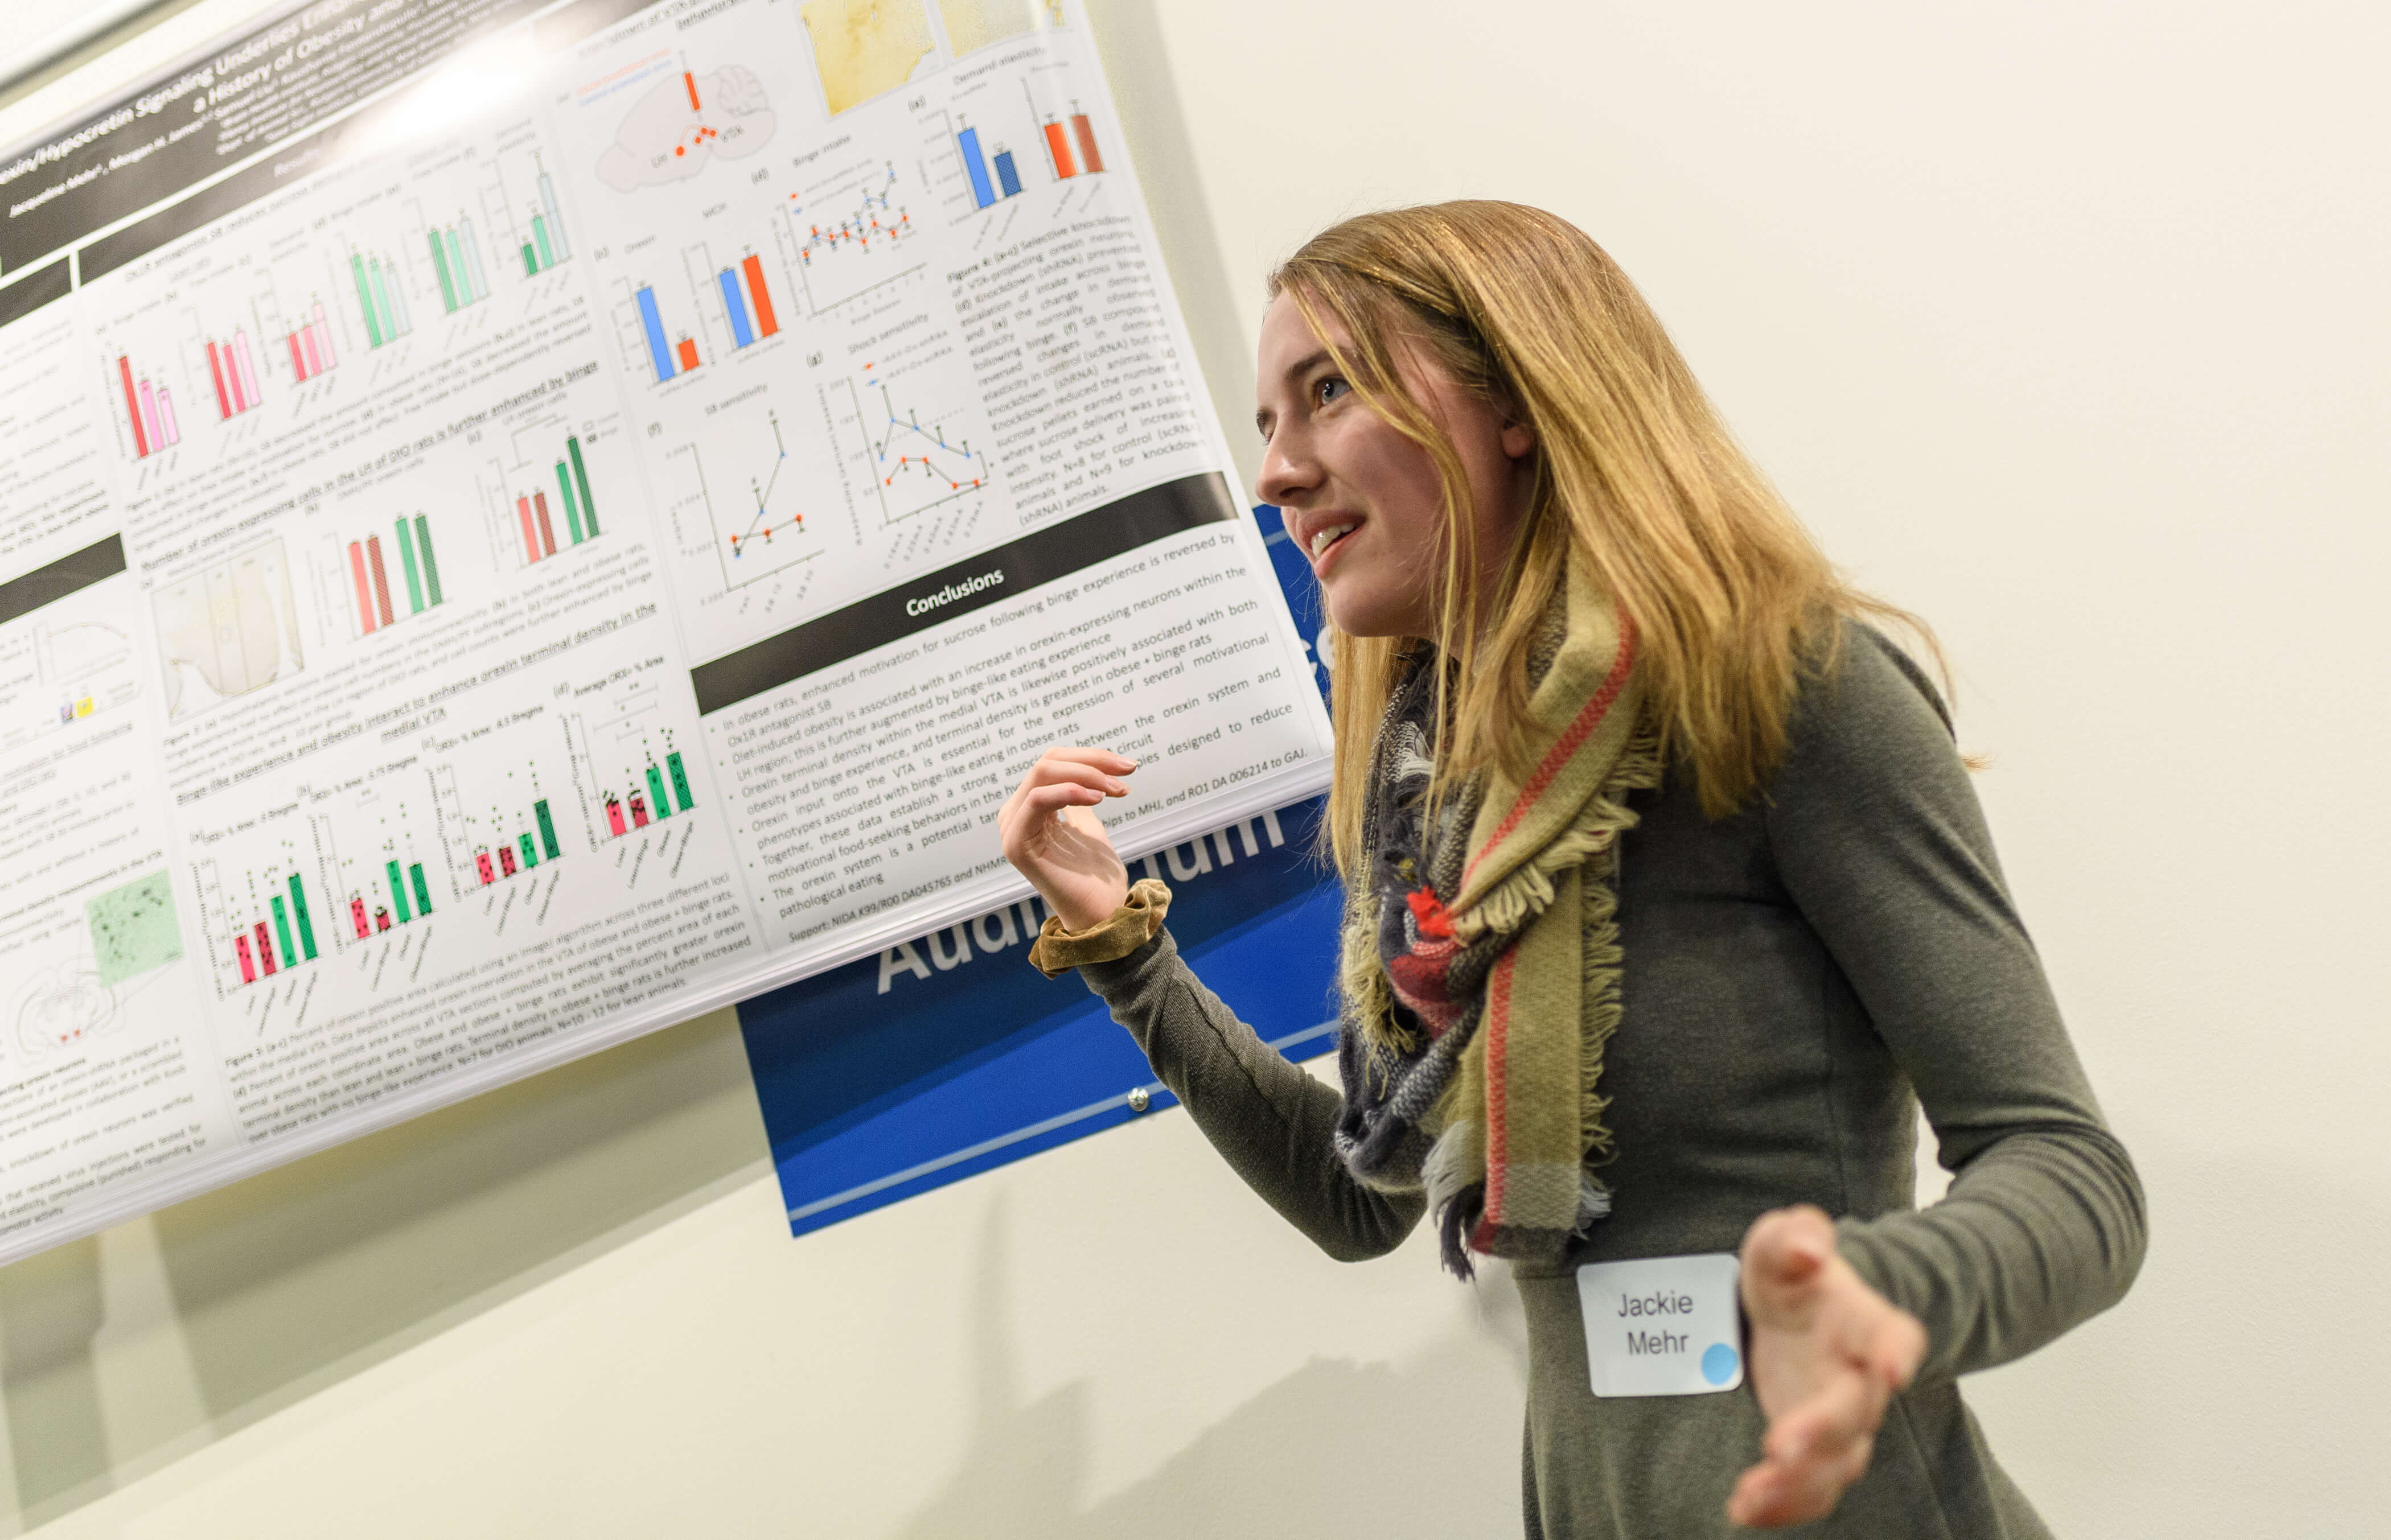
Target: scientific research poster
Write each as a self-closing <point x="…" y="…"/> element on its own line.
<point x="520" y="524"/>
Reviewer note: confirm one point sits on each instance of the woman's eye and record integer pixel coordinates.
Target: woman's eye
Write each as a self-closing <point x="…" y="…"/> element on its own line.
<point x="1329" y="389"/>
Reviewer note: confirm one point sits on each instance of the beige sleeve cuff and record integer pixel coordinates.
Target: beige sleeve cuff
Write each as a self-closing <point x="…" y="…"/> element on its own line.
<point x="1057" y="951"/>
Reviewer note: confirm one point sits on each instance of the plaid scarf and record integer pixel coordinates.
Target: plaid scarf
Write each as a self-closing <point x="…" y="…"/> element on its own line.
<point x="1480" y="961"/>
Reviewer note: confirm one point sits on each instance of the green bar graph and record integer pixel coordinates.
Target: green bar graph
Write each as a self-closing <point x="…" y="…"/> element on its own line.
<point x="391" y="330"/>
<point x="680" y="779"/>
<point x="306" y="928"/>
<point x="440" y="265"/>
<point x="465" y="291"/>
<point x="529" y="859"/>
<point x="539" y="234"/>
<point x="547" y="828"/>
<point x="422" y="891"/>
<point x="365" y="298"/>
<point x="397" y="892"/>
<point x="572" y="510"/>
<point x="531" y="263"/>
<point x="430" y="568"/>
<point x="656" y="792"/>
<point x="581" y="475"/>
<point x="282" y="929"/>
<point x="406" y="556"/>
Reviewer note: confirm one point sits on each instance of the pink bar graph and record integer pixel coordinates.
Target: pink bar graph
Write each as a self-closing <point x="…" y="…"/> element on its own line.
<point x="299" y="370"/>
<point x="323" y="334"/>
<point x="638" y="811"/>
<point x="482" y="863"/>
<point x="247" y="370"/>
<point x="506" y="862"/>
<point x="315" y="359"/>
<point x="357" y="917"/>
<point x="166" y="415"/>
<point x="247" y="969"/>
<point x="381" y="918"/>
<point x="614" y="816"/>
<point x="264" y="949"/>
<point x="530" y="531"/>
<point x="149" y="414"/>
<point x="365" y="595"/>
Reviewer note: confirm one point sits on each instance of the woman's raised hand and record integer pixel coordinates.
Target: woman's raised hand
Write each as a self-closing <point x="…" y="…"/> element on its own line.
<point x="1053" y="839"/>
<point x="1827" y="1353"/>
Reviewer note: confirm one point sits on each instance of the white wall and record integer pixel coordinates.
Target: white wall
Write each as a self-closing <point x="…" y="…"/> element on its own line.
<point x="2067" y="327"/>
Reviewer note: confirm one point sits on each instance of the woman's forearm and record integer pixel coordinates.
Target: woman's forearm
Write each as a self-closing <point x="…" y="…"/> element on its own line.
<point x="1270" y="1120"/>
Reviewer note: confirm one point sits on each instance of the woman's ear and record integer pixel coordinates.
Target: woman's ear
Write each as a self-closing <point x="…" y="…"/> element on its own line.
<point x="1518" y="438"/>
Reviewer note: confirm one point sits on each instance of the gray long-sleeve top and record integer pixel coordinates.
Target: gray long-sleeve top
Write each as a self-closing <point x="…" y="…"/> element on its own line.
<point x="1799" y="978"/>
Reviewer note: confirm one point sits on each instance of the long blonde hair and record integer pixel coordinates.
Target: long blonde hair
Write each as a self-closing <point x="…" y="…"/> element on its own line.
<point x="1632" y="471"/>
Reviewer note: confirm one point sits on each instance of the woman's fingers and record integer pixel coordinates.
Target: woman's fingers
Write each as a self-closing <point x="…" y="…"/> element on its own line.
<point x="1849" y="1406"/>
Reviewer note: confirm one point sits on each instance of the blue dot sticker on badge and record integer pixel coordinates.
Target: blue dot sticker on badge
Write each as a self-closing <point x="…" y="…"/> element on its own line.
<point x="1719" y="1363"/>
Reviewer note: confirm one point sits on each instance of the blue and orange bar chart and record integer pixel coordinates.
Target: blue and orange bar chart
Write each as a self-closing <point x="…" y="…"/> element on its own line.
<point x="749" y="311"/>
<point x="668" y="361"/>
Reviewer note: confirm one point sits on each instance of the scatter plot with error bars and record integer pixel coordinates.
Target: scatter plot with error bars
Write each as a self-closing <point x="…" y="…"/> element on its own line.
<point x="919" y="459"/>
<point x="851" y="242"/>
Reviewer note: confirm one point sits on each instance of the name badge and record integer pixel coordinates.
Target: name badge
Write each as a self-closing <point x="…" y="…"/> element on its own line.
<point x="1662" y="1326"/>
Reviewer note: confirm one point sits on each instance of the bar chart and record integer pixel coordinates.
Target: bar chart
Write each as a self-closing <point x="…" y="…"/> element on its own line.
<point x="532" y="527"/>
<point x="1068" y="141"/>
<point x="262" y="922"/>
<point x="311" y="346"/>
<point x="381" y="297"/>
<point x="546" y="245"/>
<point x="633" y="771"/>
<point x="232" y="369"/>
<point x="739" y="287"/>
<point x="1064" y="137"/>
<point x="665" y="360"/>
<point x="151" y="409"/>
<point x="497" y="824"/>
<point x="987" y="192"/>
<point x="382" y="884"/>
<point x="456" y="262"/>
<point x="372" y="596"/>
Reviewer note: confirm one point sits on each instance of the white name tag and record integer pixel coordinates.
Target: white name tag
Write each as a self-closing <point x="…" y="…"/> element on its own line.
<point x="1662" y="1326"/>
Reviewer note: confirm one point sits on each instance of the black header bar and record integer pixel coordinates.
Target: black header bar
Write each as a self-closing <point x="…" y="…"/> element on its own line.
<point x="67" y="574"/>
<point x="34" y="290"/>
<point x="1011" y="569"/>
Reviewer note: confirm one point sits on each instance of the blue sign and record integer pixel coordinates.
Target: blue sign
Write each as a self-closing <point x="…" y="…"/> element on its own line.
<point x="950" y="1055"/>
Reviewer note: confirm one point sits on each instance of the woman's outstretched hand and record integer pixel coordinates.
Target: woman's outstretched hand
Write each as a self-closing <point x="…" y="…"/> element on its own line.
<point x="1053" y="838"/>
<point x="1827" y="1353"/>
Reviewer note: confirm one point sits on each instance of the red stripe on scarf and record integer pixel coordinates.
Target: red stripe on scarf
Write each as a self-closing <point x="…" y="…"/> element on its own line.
<point x="1587" y="721"/>
<point x="1498" y="1030"/>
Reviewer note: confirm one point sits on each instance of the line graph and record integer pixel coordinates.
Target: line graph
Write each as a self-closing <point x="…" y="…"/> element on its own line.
<point x="844" y="256"/>
<point x="918" y="466"/>
<point x="764" y="533"/>
<point x="761" y="526"/>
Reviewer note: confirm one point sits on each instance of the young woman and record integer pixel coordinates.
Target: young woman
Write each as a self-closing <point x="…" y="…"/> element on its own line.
<point x="1669" y="904"/>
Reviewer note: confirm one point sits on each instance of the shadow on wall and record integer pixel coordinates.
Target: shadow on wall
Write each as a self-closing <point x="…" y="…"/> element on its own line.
<point x="124" y="1351"/>
<point x="1430" y="1447"/>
